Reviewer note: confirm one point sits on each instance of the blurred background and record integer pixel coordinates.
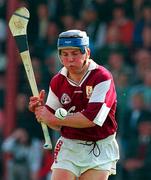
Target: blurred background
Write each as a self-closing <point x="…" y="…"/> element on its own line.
<point x="120" y="40"/>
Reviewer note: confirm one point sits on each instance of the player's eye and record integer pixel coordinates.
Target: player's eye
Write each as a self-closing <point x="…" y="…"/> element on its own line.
<point x="64" y="54"/>
<point x="75" y="53"/>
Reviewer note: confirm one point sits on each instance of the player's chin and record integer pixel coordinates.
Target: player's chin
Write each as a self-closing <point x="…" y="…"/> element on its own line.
<point x="74" y="69"/>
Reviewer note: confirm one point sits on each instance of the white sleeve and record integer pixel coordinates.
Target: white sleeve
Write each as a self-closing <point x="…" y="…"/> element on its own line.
<point x="52" y="100"/>
<point x="102" y="115"/>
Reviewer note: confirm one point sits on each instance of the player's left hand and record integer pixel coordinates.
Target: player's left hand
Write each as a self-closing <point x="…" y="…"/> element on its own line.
<point x="36" y="101"/>
<point x="43" y="114"/>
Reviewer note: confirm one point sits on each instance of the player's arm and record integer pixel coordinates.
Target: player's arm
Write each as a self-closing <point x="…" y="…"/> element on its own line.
<point x="53" y="126"/>
<point x="76" y="120"/>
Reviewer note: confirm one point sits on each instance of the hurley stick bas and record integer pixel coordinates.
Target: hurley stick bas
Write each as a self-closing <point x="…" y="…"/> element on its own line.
<point x="18" y="26"/>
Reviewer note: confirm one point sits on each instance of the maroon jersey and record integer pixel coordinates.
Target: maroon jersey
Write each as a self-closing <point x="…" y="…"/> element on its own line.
<point x="94" y="96"/>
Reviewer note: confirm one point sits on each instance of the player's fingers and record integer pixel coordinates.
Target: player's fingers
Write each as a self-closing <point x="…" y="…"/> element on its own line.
<point x="34" y="98"/>
<point x="35" y="101"/>
<point x="42" y="96"/>
<point x="31" y="108"/>
<point x="32" y="105"/>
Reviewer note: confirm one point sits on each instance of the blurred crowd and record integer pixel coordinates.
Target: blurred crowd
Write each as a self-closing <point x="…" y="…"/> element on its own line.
<point x="120" y="40"/>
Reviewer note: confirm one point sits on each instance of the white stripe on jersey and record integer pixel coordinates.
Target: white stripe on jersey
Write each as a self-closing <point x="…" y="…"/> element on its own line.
<point x="100" y="91"/>
<point x="101" y="116"/>
<point x="53" y="101"/>
<point x="73" y="83"/>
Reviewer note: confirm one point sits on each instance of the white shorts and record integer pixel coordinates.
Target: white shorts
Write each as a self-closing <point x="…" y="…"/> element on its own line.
<point x="79" y="156"/>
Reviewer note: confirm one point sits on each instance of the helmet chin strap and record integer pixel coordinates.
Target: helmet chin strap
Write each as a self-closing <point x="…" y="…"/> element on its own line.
<point x="85" y="61"/>
<point x="84" y="64"/>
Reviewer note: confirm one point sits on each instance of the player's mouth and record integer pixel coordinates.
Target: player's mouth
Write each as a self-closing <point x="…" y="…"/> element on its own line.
<point x="72" y="66"/>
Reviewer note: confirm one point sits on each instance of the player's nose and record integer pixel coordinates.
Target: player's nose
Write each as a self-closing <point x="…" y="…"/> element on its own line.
<point x="71" y="58"/>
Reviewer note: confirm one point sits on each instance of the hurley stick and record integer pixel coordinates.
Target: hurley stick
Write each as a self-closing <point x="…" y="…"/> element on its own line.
<point x="18" y="26"/>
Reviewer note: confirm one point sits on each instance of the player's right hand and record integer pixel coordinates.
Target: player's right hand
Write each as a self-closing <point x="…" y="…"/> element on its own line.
<point x="36" y="101"/>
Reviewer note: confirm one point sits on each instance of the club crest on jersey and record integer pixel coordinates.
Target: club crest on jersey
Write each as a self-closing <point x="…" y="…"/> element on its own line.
<point x="89" y="90"/>
<point x="65" y="99"/>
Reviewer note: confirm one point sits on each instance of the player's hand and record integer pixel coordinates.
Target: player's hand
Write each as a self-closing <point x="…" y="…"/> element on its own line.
<point x="36" y="101"/>
<point x="43" y="114"/>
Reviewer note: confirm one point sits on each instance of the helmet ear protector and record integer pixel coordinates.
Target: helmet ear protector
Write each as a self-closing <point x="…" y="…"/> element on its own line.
<point x="73" y="39"/>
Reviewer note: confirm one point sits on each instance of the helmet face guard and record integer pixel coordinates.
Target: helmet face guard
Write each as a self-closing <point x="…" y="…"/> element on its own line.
<point x="73" y="39"/>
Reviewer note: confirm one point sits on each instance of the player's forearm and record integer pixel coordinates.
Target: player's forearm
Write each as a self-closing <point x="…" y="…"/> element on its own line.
<point x="76" y="120"/>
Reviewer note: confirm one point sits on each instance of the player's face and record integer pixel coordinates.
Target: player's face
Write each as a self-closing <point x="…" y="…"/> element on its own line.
<point x="73" y="59"/>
